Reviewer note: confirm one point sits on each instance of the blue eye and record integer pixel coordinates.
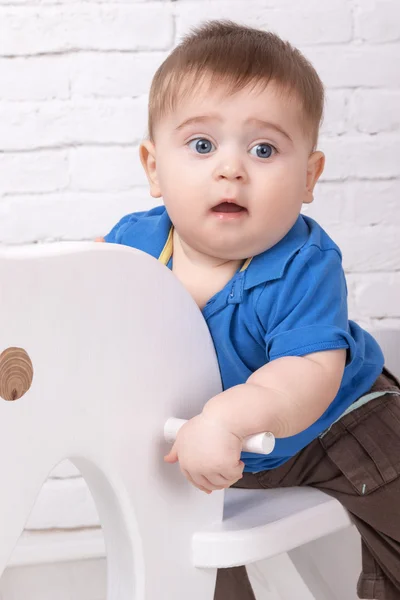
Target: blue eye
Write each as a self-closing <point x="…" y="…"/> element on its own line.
<point x="201" y="145"/>
<point x="262" y="150"/>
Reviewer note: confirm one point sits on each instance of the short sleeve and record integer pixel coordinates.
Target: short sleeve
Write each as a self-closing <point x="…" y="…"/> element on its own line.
<point x="306" y="311"/>
<point x="116" y="235"/>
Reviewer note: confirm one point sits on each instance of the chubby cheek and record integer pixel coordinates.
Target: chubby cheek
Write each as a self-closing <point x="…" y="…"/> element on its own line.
<point x="290" y="180"/>
<point x="179" y="183"/>
<point x="280" y="200"/>
<point x="281" y="185"/>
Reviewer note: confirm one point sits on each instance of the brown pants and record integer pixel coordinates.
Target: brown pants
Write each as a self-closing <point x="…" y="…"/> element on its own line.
<point x="358" y="463"/>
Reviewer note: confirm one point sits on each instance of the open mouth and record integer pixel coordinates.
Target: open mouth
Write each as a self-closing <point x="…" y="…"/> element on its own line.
<point x="228" y="207"/>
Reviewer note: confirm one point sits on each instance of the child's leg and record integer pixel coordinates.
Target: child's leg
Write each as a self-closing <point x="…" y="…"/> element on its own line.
<point x="233" y="584"/>
<point x="357" y="462"/>
<point x="365" y="447"/>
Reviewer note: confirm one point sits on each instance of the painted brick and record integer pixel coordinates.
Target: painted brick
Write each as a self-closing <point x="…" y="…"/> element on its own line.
<point x="105" y="169"/>
<point x="34" y="78"/>
<point x="70" y="216"/>
<point x="352" y="66"/>
<point x="377" y="21"/>
<point x="375" y="111"/>
<point x="48" y="29"/>
<point x="361" y="156"/>
<point x="45" y="171"/>
<point x="292" y="22"/>
<point x="114" y="74"/>
<point x="52" y="124"/>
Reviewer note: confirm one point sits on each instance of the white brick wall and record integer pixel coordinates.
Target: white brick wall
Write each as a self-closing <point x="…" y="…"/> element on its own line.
<point x="74" y="77"/>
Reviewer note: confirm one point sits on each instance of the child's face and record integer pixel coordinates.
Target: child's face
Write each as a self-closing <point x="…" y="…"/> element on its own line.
<point x="248" y="148"/>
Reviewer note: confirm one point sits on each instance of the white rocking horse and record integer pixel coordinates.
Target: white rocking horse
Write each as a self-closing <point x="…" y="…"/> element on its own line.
<point x="99" y="346"/>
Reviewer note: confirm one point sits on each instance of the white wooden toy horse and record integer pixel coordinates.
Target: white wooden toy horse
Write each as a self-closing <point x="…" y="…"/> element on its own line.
<point x="99" y="346"/>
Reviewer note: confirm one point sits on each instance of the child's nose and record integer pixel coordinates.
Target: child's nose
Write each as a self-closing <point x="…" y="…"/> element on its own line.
<point x="231" y="168"/>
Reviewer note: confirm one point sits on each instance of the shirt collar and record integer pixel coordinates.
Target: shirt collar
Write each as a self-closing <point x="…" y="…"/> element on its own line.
<point x="271" y="264"/>
<point x="155" y="235"/>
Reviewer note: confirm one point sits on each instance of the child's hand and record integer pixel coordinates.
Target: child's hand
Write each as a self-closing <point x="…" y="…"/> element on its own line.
<point x="99" y="239"/>
<point x="208" y="454"/>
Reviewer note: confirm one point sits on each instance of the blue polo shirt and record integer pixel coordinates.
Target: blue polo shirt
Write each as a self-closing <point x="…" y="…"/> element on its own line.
<point x="290" y="300"/>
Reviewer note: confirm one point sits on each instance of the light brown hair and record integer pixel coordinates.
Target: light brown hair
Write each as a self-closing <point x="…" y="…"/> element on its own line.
<point x="235" y="56"/>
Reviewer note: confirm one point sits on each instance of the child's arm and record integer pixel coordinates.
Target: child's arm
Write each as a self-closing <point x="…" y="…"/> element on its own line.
<point x="285" y="396"/>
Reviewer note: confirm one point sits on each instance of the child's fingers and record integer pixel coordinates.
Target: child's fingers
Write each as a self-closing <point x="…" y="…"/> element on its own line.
<point x="191" y="480"/>
<point x="199" y="487"/>
<point x="205" y="482"/>
<point x="234" y="474"/>
<point x="220" y="481"/>
<point x="172" y="456"/>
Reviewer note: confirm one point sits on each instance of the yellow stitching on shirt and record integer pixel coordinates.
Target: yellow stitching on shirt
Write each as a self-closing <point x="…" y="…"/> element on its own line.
<point x="166" y="252"/>
<point x="246" y="264"/>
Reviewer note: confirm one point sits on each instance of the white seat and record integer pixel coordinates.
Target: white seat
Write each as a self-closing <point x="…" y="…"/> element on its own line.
<point x="259" y="524"/>
<point x="118" y="346"/>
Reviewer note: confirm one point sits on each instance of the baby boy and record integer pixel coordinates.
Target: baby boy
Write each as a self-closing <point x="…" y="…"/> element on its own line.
<point x="234" y="115"/>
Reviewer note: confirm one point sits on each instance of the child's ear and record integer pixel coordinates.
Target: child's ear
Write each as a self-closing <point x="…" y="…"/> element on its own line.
<point x="147" y="153"/>
<point x="315" y="166"/>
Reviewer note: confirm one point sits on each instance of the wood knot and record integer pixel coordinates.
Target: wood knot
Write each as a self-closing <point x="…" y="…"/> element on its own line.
<point x="16" y="373"/>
